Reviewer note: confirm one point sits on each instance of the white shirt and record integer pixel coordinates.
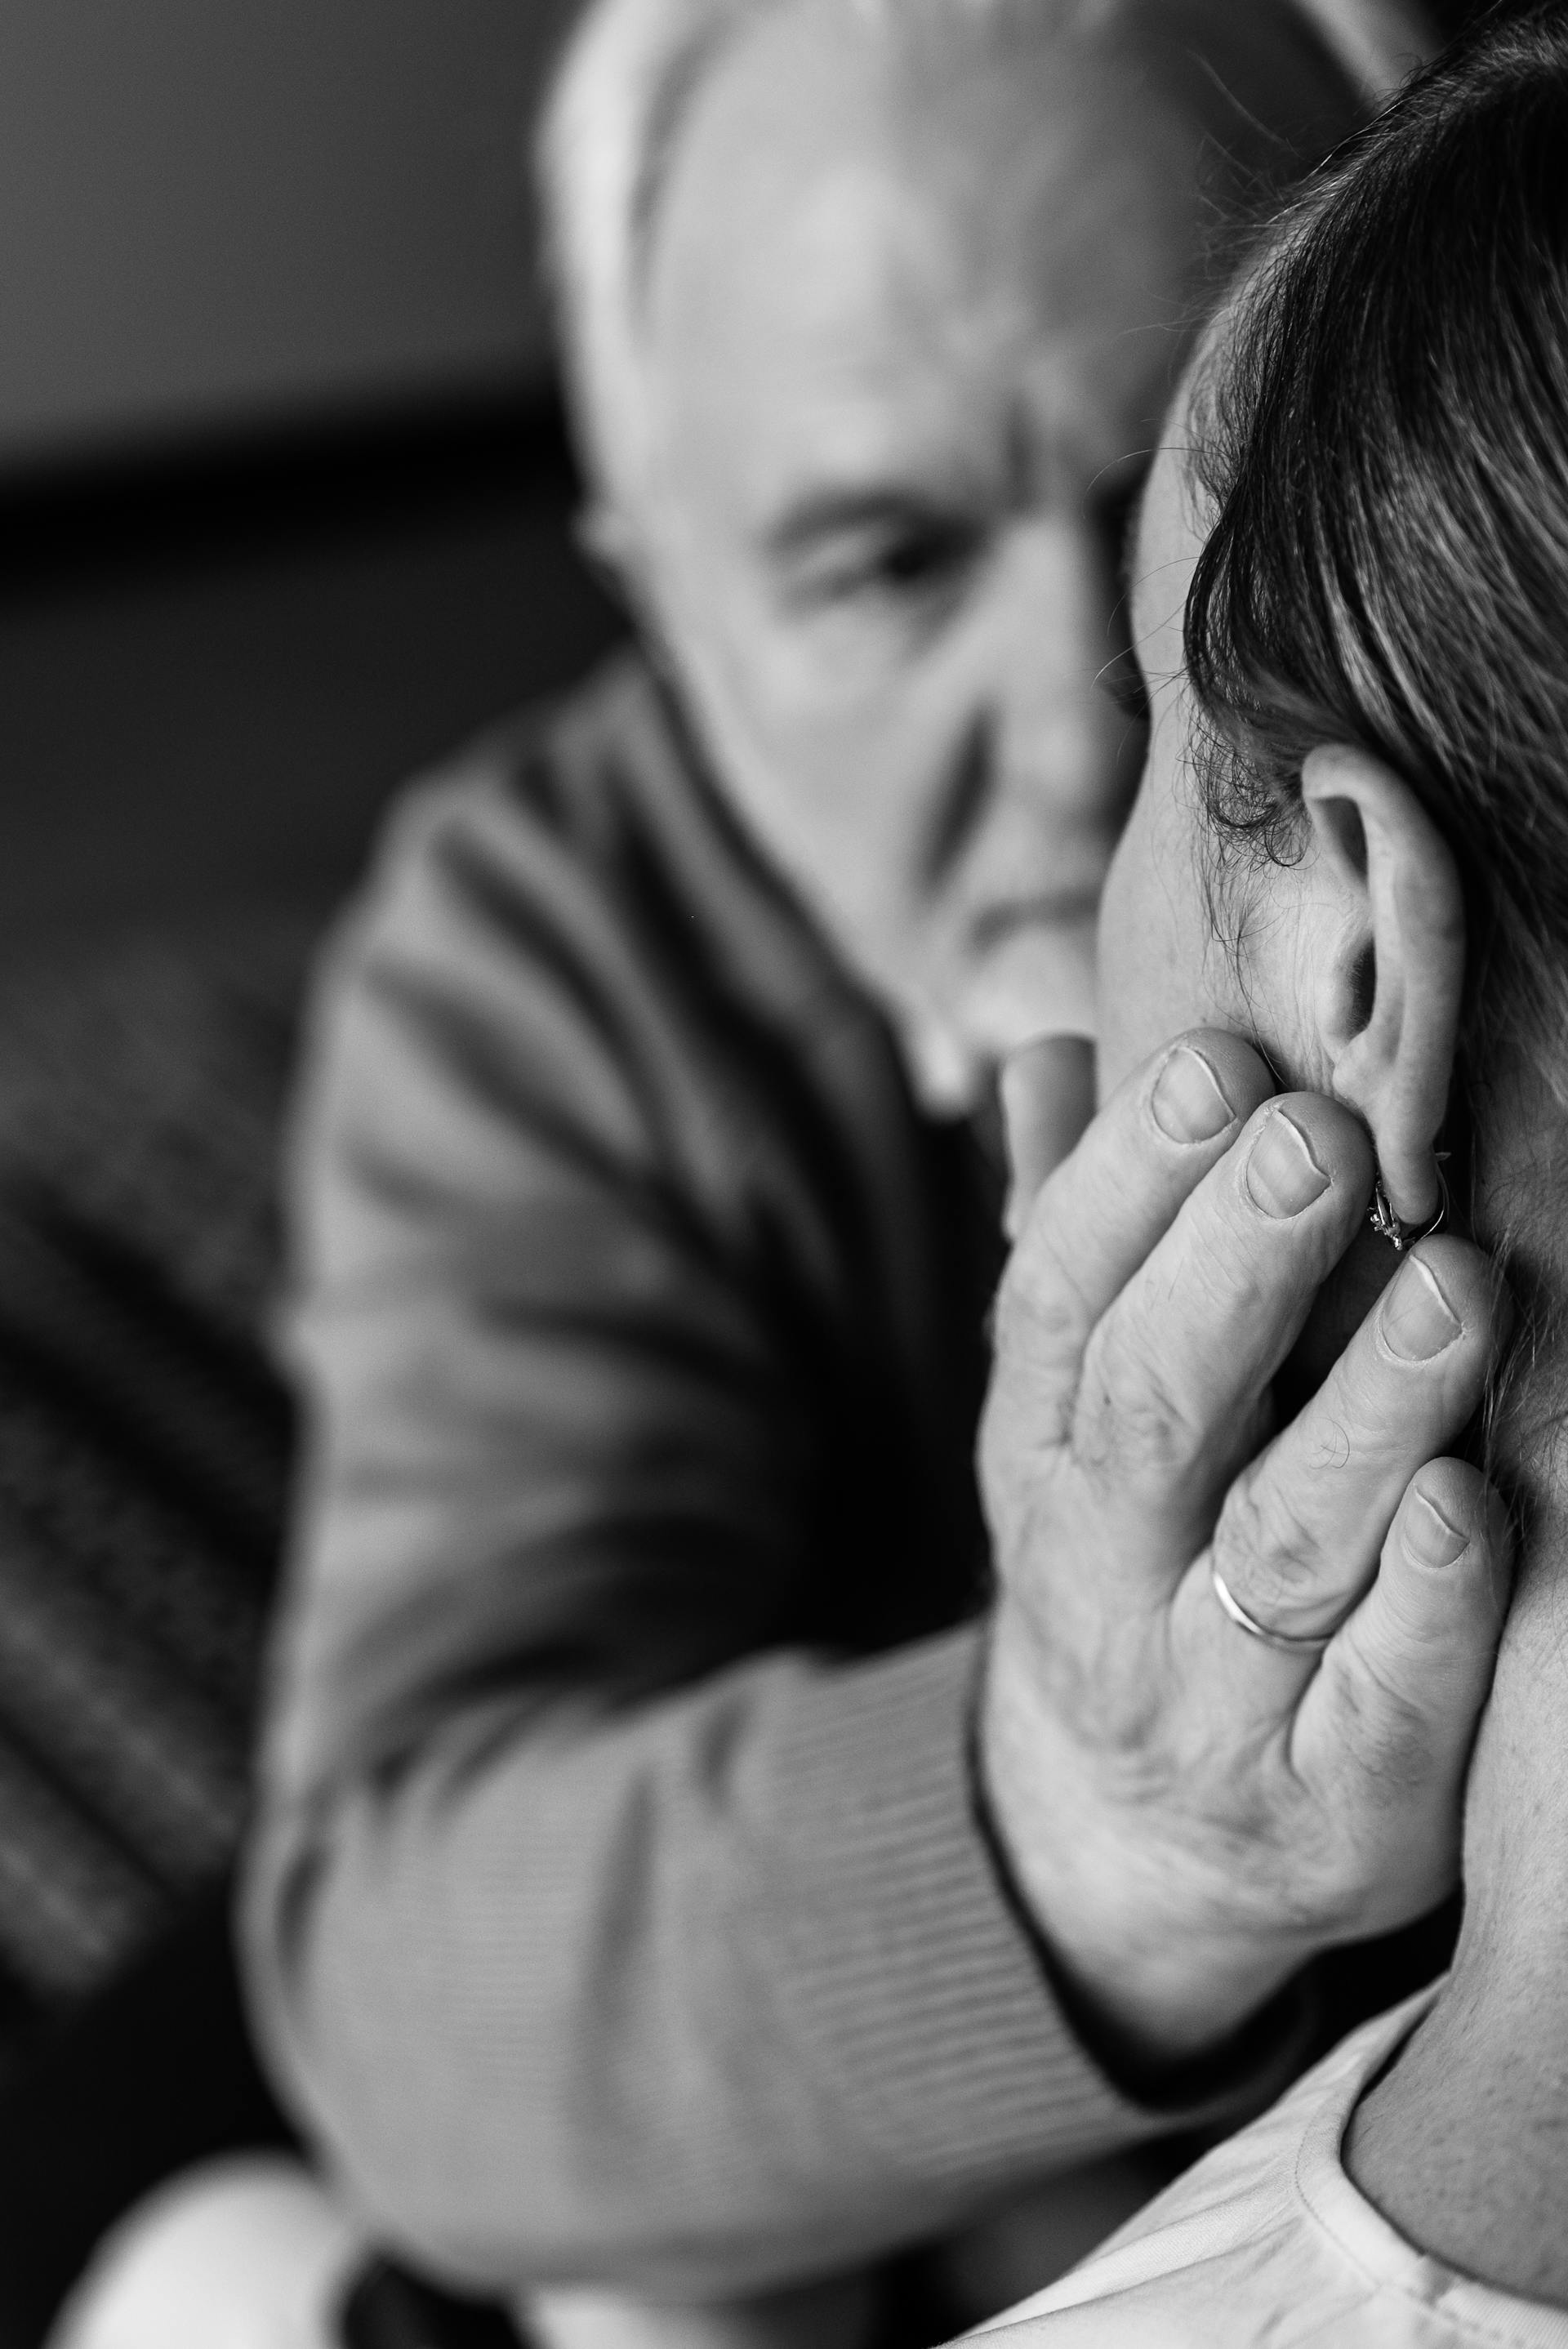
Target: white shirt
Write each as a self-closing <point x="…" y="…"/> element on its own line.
<point x="1266" y="2244"/>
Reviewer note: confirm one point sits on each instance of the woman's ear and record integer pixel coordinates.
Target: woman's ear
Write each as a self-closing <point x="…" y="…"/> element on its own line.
<point x="1389" y="994"/>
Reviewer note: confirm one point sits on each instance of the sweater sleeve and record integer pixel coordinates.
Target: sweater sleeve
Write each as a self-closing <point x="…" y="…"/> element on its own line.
<point x="597" y="1931"/>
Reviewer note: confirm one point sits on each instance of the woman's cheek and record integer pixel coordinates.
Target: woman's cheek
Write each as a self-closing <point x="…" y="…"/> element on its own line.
<point x="1133" y="959"/>
<point x="1159" y="973"/>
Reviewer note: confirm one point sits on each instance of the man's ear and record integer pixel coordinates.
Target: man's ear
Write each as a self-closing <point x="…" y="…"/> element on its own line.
<point x="1389" y="994"/>
<point x="609" y="545"/>
<point x="616" y="550"/>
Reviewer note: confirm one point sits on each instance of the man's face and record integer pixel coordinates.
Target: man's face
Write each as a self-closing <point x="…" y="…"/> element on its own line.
<point x="911" y="328"/>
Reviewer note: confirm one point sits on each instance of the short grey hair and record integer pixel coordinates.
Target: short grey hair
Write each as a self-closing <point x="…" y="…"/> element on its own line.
<point x="621" y="90"/>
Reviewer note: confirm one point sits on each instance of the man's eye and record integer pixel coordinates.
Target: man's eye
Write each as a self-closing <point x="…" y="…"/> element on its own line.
<point x="908" y="563"/>
<point x="920" y="558"/>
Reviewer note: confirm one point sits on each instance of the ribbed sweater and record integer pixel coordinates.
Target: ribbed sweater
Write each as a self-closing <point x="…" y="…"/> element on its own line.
<point x="617" y="1908"/>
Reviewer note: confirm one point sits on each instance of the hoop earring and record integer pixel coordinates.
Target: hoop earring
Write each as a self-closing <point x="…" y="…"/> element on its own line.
<point x="1391" y="1228"/>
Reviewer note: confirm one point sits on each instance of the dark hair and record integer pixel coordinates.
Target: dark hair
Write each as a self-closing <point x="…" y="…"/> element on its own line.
<point x="1381" y="430"/>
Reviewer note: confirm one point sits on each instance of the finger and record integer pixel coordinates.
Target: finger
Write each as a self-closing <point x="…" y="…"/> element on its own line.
<point x="1400" y="1688"/>
<point x="1178" y="1370"/>
<point x="1097" y="1219"/>
<point x="1047" y="1101"/>
<point x="1299" y="1535"/>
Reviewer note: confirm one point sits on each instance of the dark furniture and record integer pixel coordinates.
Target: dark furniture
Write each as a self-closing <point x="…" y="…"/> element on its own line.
<point x="214" y="672"/>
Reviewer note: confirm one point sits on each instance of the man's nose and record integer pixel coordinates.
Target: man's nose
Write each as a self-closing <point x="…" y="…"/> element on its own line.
<point x="963" y="801"/>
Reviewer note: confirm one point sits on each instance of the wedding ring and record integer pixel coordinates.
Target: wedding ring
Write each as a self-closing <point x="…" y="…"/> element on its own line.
<point x="1289" y="1643"/>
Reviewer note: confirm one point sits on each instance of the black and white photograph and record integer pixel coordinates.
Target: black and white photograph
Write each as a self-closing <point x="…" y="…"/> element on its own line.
<point x="784" y="1174"/>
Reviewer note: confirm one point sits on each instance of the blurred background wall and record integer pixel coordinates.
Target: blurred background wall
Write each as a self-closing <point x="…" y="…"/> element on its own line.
<point x="285" y="504"/>
<point x="220" y="212"/>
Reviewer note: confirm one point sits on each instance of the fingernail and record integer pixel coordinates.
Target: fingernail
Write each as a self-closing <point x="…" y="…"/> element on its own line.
<point x="1430" y="1538"/>
<point x="1187" y="1100"/>
<point x="1282" y="1176"/>
<point x="1418" y="1320"/>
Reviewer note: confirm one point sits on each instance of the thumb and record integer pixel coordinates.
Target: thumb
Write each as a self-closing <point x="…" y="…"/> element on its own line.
<point x="1047" y="1100"/>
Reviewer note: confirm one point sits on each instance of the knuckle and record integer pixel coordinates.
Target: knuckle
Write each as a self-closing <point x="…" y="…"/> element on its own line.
<point x="1129" y="1412"/>
<point x="1267" y="1544"/>
<point x="1042" y="1309"/>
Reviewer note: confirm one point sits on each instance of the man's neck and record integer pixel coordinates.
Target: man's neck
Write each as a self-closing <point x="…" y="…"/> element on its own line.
<point x="1463" y="2144"/>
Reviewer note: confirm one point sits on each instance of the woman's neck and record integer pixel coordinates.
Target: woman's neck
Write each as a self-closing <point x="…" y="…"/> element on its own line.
<point x="1464" y="2143"/>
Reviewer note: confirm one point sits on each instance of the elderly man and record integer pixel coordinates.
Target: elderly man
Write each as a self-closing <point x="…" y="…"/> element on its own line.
<point x="652" y="1892"/>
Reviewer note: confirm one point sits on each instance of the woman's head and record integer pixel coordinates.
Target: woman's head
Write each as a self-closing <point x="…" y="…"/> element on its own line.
<point x="1359" y="538"/>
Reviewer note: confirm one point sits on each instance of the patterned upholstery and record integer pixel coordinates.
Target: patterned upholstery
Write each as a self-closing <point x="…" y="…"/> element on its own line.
<point x="143" y="1438"/>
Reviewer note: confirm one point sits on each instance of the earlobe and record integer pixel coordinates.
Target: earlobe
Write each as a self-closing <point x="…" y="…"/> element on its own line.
<point x="1390" y="1010"/>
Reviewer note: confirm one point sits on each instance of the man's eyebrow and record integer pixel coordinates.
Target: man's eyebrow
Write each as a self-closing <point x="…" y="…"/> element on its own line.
<point x="828" y="512"/>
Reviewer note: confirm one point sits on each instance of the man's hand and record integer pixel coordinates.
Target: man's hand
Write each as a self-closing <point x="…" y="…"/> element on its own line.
<point x="1190" y="1812"/>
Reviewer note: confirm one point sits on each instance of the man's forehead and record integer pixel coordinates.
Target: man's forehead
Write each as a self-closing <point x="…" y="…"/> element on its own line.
<point x="944" y="75"/>
<point x="961" y="96"/>
<point x="817" y="244"/>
